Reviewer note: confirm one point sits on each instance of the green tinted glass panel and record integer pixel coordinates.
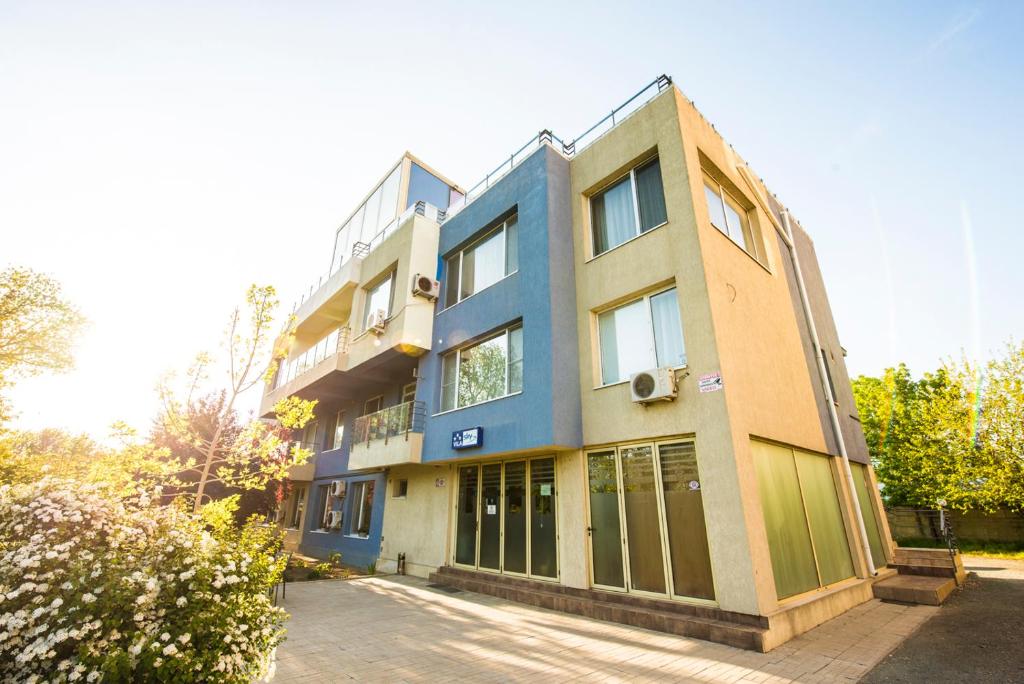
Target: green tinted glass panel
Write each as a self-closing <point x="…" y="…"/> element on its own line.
<point x="605" y="532"/>
<point x="490" y="517"/>
<point x="831" y="545"/>
<point x="789" y="541"/>
<point x="684" y="516"/>
<point x="515" y="517"/>
<point x="646" y="568"/>
<point x="543" y="553"/>
<point x="862" y="483"/>
<point x="465" y="531"/>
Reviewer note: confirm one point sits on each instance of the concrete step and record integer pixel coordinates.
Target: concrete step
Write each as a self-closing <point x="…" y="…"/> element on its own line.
<point x="711" y="624"/>
<point x="930" y="563"/>
<point x="929" y="591"/>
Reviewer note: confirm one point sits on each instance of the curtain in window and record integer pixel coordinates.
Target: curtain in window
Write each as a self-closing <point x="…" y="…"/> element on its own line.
<point x="625" y="342"/>
<point x="650" y="196"/>
<point x="613" y="217"/>
<point x="668" y="335"/>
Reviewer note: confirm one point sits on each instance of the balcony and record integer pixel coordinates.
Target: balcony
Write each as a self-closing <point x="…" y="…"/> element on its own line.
<point x="393" y="436"/>
<point x="306" y="471"/>
<point x="294" y="375"/>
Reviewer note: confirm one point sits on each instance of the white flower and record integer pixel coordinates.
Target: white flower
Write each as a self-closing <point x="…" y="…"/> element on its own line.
<point x="170" y="649"/>
<point x="184" y="638"/>
<point x="165" y="636"/>
<point x="88" y="598"/>
<point x="182" y="601"/>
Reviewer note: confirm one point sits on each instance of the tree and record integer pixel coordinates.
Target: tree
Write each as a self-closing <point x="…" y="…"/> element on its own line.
<point x="260" y="451"/>
<point x="37" y="328"/>
<point x="954" y="435"/>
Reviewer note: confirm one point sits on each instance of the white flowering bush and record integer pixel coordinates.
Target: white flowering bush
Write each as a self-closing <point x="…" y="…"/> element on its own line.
<point x="94" y="588"/>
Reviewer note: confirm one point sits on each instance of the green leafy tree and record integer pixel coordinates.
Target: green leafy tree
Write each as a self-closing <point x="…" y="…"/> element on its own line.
<point x="248" y="456"/>
<point x="954" y="435"/>
<point x="37" y="328"/>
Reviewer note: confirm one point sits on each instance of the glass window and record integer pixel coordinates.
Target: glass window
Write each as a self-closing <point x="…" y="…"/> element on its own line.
<point x="298" y="504"/>
<point x="862" y="485"/>
<point x="641" y="335"/>
<point x="339" y="431"/>
<point x="543" y="532"/>
<point x="370" y="217"/>
<point x="401" y="489"/>
<point x="324" y="493"/>
<point x="614" y="210"/>
<point x="425" y="186"/>
<point x="487" y="370"/>
<point x="482" y="264"/>
<point x="362" y="508"/>
<point x="728" y="215"/>
<point x="378" y="297"/>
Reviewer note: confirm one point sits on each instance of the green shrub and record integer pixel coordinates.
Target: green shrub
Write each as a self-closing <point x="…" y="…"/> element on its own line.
<point x="94" y="587"/>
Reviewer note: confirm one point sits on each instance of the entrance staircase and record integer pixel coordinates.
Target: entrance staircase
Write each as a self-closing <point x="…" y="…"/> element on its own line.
<point x="925" y="576"/>
<point x="709" y="623"/>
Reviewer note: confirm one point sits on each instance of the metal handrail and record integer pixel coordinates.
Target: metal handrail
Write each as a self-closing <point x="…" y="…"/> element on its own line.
<point x="294" y="368"/>
<point x="394" y="421"/>
<point x="568" y="149"/>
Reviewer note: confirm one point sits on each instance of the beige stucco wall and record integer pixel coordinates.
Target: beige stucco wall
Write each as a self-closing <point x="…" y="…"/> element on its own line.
<point x="669" y="254"/>
<point x="570" y="490"/>
<point x="417" y="525"/>
<point x="379" y="453"/>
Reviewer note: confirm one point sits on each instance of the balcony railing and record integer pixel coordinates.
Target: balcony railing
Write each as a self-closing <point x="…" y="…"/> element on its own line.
<point x="568" y="149"/>
<point x="362" y="247"/>
<point x="394" y="421"/>
<point x="337" y="342"/>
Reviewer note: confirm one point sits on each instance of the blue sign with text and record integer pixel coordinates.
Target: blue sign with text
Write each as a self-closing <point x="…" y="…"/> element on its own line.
<point x="470" y="437"/>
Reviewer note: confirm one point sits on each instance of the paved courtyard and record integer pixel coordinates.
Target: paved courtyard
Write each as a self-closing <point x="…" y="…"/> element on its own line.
<point x="395" y="629"/>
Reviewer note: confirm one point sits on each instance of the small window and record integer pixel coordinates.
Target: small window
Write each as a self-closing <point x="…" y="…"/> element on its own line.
<point x="828" y="377"/>
<point x="409" y="392"/>
<point x="372" y="405"/>
<point x="400" y="489"/>
<point x="729" y="215"/>
<point x="379" y="297"/>
<point x="339" y="431"/>
<point x="484" y="371"/>
<point x="484" y="263"/>
<point x="361" y="508"/>
<point x="630" y="207"/>
<point x="643" y="334"/>
<point x="309" y="434"/>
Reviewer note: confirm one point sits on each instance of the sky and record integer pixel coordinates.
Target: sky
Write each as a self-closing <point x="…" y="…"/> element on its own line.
<point x="156" y="159"/>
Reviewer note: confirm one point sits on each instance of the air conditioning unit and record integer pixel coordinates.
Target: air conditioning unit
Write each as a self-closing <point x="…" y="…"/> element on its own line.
<point x="333" y="520"/>
<point x="426" y="287"/>
<point x="377" y="321"/>
<point x="657" y="384"/>
<point x="338" y="488"/>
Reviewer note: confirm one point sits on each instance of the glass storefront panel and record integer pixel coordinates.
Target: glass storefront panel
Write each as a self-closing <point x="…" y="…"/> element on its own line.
<point x="605" y="528"/>
<point x="465" y="523"/>
<point x="684" y="521"/>
<point x="862" y="483"/>
<point x="543" y="541"/>
<point x="515" y="517"/>
<point x="646" y="563"/>
<point x="789" y="541"/>
<point x="490" y="517"/>
<point x="824" y="517"/>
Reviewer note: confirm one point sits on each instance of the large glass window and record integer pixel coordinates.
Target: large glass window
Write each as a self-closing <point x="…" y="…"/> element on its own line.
<point x="487" y="370"/>
<point x="862" y="485"/>
<point x="378" y="298"/>
<point x="640" y="335"/>
<point x="362" y="508"/>
<point x="324" y="493"/>
<point x="483" y="263"/>
<point x="629" y="207"/>
<point x="803" y="521"/>
<point x="729" y="215"/>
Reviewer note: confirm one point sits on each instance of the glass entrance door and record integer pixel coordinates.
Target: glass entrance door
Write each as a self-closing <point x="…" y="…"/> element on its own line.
<point x="490" y="517"/>
<point x="505" y="517"/>
<point x="647" y="530"/>
<point x="465" y="517"/>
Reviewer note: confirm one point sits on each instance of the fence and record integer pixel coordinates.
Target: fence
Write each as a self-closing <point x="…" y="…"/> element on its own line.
<point x="1000" y="526"/>
<point x="391" y="422"/>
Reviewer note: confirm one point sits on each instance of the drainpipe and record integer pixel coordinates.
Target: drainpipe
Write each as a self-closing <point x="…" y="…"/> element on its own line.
<point x="787" y="234"/>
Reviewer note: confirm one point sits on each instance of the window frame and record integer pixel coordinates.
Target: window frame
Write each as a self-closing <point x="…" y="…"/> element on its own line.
<point x="375" y="285"/>
<point x="456" y="353"/>
<point x="298" y="505"/>
<point x="400" y="490"/>
<point x="710" y="181"/>
<point x="338" y="436"/>
<point x="357" y="514"/>
<point x="324" y="504"/>
<point x="634" y="193"/>
<point x="461" y="253"/>
<point x="646" y="298"/>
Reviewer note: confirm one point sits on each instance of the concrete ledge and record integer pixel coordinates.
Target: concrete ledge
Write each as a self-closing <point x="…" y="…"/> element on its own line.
<point x="928" y="591"/>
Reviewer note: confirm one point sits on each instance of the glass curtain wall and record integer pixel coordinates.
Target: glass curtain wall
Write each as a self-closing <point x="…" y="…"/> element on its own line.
<point x="862" y="483"/>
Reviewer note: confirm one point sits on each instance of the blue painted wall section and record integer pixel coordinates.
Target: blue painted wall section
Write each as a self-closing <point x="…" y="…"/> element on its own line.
<point x="541" y="294"/>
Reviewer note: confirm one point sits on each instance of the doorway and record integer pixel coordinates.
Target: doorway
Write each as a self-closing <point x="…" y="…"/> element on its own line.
<point x="505" y="518"/>
<point x="647" y="532"/>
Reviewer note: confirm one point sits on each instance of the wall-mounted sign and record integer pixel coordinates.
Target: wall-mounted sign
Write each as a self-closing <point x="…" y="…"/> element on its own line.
<point x="710" y="382"/>
<point x="440" y="482"/>
<point x="470" y="437"/>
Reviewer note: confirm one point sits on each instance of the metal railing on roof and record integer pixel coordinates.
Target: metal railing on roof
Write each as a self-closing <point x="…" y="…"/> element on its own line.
<point x="568" y="149"/>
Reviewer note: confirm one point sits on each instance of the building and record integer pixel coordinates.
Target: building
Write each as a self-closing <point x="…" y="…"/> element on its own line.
<point x="630" y="397"/>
